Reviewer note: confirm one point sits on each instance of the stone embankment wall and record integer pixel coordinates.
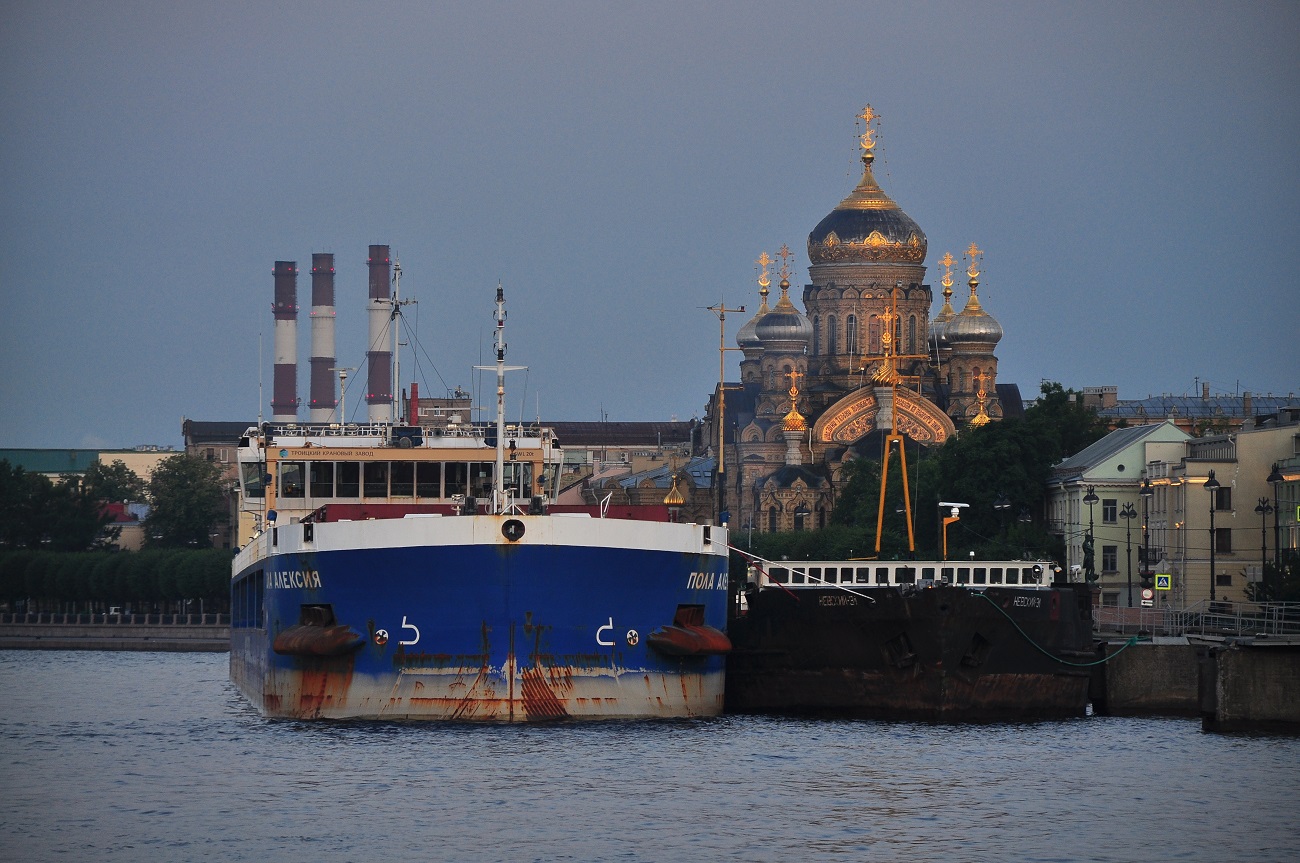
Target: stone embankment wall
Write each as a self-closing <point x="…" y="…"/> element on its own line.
<point x="1235" y="684"/>
<point x="167" y="632"/>
<point x="1251" y="685"/>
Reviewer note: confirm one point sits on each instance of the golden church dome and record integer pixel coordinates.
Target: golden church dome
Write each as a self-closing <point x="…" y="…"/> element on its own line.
<point x="867" y="226"/>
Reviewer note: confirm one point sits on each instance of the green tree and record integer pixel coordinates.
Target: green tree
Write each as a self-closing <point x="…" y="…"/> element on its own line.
<point x="188" y="502"/>
<point x="38" y="513"/>
<point x="1279" y="584"/>
<point x="113" y="483"/>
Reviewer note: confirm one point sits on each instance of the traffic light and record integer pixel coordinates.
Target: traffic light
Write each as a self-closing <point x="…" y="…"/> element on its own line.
<point x="1146" y="579"/>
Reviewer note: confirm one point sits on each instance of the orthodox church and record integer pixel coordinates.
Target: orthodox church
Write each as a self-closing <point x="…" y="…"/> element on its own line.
<point x="863" y="369"/>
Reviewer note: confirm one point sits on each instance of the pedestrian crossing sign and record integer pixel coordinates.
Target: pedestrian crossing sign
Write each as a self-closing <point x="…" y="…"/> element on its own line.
<point x="1163" y="581"/>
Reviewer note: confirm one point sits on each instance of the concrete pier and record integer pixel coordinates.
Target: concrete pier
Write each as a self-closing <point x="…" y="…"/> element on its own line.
<point x="1150" y="678"/>
<point x="1251" y="685"/>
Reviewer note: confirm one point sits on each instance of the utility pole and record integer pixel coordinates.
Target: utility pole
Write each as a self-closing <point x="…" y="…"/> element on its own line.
<point x="720" y="477"/>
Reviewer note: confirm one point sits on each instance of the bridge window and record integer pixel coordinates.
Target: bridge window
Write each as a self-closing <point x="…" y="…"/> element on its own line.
<point x="291" y="484"/>
<point x="995" y="575"/>
<point x="320" y="475"/>
<point x="963" y="575"/>
<point x="1013" y="575"/>
<point x="797" y="576"/>
<point x="457" y="478"/>
<point x="375" y="475"/>
<point x="864" y="575"/>
<point x="905" y="575"/>
<point x="779" y="574"/>
<point x="347" y="479"/>
<point x="882" y="575"/>
<point x="403" y="478"/>
<point x="946" y="574"/>
<point x="927" y="573"/>
<point x="428" y="479"/>
<point x="981" y="575"/>
<point x="254" y="478"/>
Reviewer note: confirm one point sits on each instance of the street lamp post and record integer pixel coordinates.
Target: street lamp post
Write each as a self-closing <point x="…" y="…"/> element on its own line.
<point x="1145" y="557"/>
<point x="1212" y="486"/>
<point x="1128" y="514"/>
<point x="1089" y="543"/>
<point x="1263" y="508"/>
<point x="1275" y="479"/>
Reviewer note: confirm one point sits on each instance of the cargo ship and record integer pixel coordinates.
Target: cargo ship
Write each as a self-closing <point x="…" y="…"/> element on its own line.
<point x="930" y="641"/>
<point x="409" y="573"/>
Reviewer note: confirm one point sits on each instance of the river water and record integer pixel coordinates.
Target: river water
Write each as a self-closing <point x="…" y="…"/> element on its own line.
<point x="155" y="756"/>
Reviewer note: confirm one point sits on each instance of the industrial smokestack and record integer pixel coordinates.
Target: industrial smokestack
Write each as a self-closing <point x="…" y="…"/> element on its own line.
<point x="284" y="394"/>
<point x="323" y="401"/>
<point x="379" y="383"/>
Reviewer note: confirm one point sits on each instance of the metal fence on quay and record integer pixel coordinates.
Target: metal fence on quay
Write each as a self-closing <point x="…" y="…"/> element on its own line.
<point x="1207" y="619"/>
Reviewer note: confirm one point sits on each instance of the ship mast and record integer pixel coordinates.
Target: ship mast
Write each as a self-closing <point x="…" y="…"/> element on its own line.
<point x="499" y="501"/>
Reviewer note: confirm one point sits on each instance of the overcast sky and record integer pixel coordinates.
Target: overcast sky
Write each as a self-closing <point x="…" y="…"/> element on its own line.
<point x="1130" y="170"/>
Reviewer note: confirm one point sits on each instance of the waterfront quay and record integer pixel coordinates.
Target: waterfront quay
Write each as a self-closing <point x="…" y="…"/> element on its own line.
<point x="180" y="633"/>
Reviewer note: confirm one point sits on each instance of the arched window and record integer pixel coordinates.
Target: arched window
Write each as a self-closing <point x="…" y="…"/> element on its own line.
<point x="832" y="343"/>
<point x="965" y="383"/>
<point x="873" y="335"/>
<point x="771" y="520"/>
<point x="851" y="334"/>
<point x="817" y="335"/>
<point x="911" y="334"/>
<point x="800" y="517"/>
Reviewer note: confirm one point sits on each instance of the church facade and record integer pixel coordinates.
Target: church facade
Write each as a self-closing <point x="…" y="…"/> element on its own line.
<point x="861" y="366"/>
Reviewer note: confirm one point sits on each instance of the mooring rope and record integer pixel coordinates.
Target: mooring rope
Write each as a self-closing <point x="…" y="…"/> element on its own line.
<point x="1132" y="641"/>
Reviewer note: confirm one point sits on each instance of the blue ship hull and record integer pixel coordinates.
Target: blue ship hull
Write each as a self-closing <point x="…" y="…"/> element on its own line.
<point x="450" y="618"/>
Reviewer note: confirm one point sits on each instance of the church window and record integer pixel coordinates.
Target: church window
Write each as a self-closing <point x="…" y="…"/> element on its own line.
<point x="873" y="331"/>
<point x="964" y="385"/>
<point x="817" y="334"/>
<point x="832" y="343"/>
<point x="851" y="334"/>
<point x="800" y="517"/>
<point x="771" y="520"/>
<point x="911" y="334"/>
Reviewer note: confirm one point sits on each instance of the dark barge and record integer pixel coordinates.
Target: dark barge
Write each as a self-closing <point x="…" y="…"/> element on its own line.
<point x="910" y="640"/>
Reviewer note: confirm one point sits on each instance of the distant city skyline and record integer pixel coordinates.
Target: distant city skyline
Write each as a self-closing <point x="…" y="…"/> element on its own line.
<point x="1128" y="170"/>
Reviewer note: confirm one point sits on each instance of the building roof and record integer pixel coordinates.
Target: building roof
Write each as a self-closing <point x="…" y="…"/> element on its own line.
<point x="1108" y="447"/>
<point x="699" y="470"/>
<point x="52" y="462"/>
<point x="1196" y="407"/>
<point x="647" y="434"/>
<point x="199" y="433"/>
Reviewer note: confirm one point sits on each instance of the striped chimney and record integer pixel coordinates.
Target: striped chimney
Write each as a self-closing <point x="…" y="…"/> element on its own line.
<point x="323" y="401"/>
<point x="284" y="393"/>
<point x="379" y="383"/>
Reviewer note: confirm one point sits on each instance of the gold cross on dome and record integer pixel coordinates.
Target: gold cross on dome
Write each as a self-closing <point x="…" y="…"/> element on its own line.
<point x="764" y="260"/>
<point x="786" y="255"/>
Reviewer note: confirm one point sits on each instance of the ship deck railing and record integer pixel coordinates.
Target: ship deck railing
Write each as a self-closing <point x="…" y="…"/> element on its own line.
<point x="469" y="430"/>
